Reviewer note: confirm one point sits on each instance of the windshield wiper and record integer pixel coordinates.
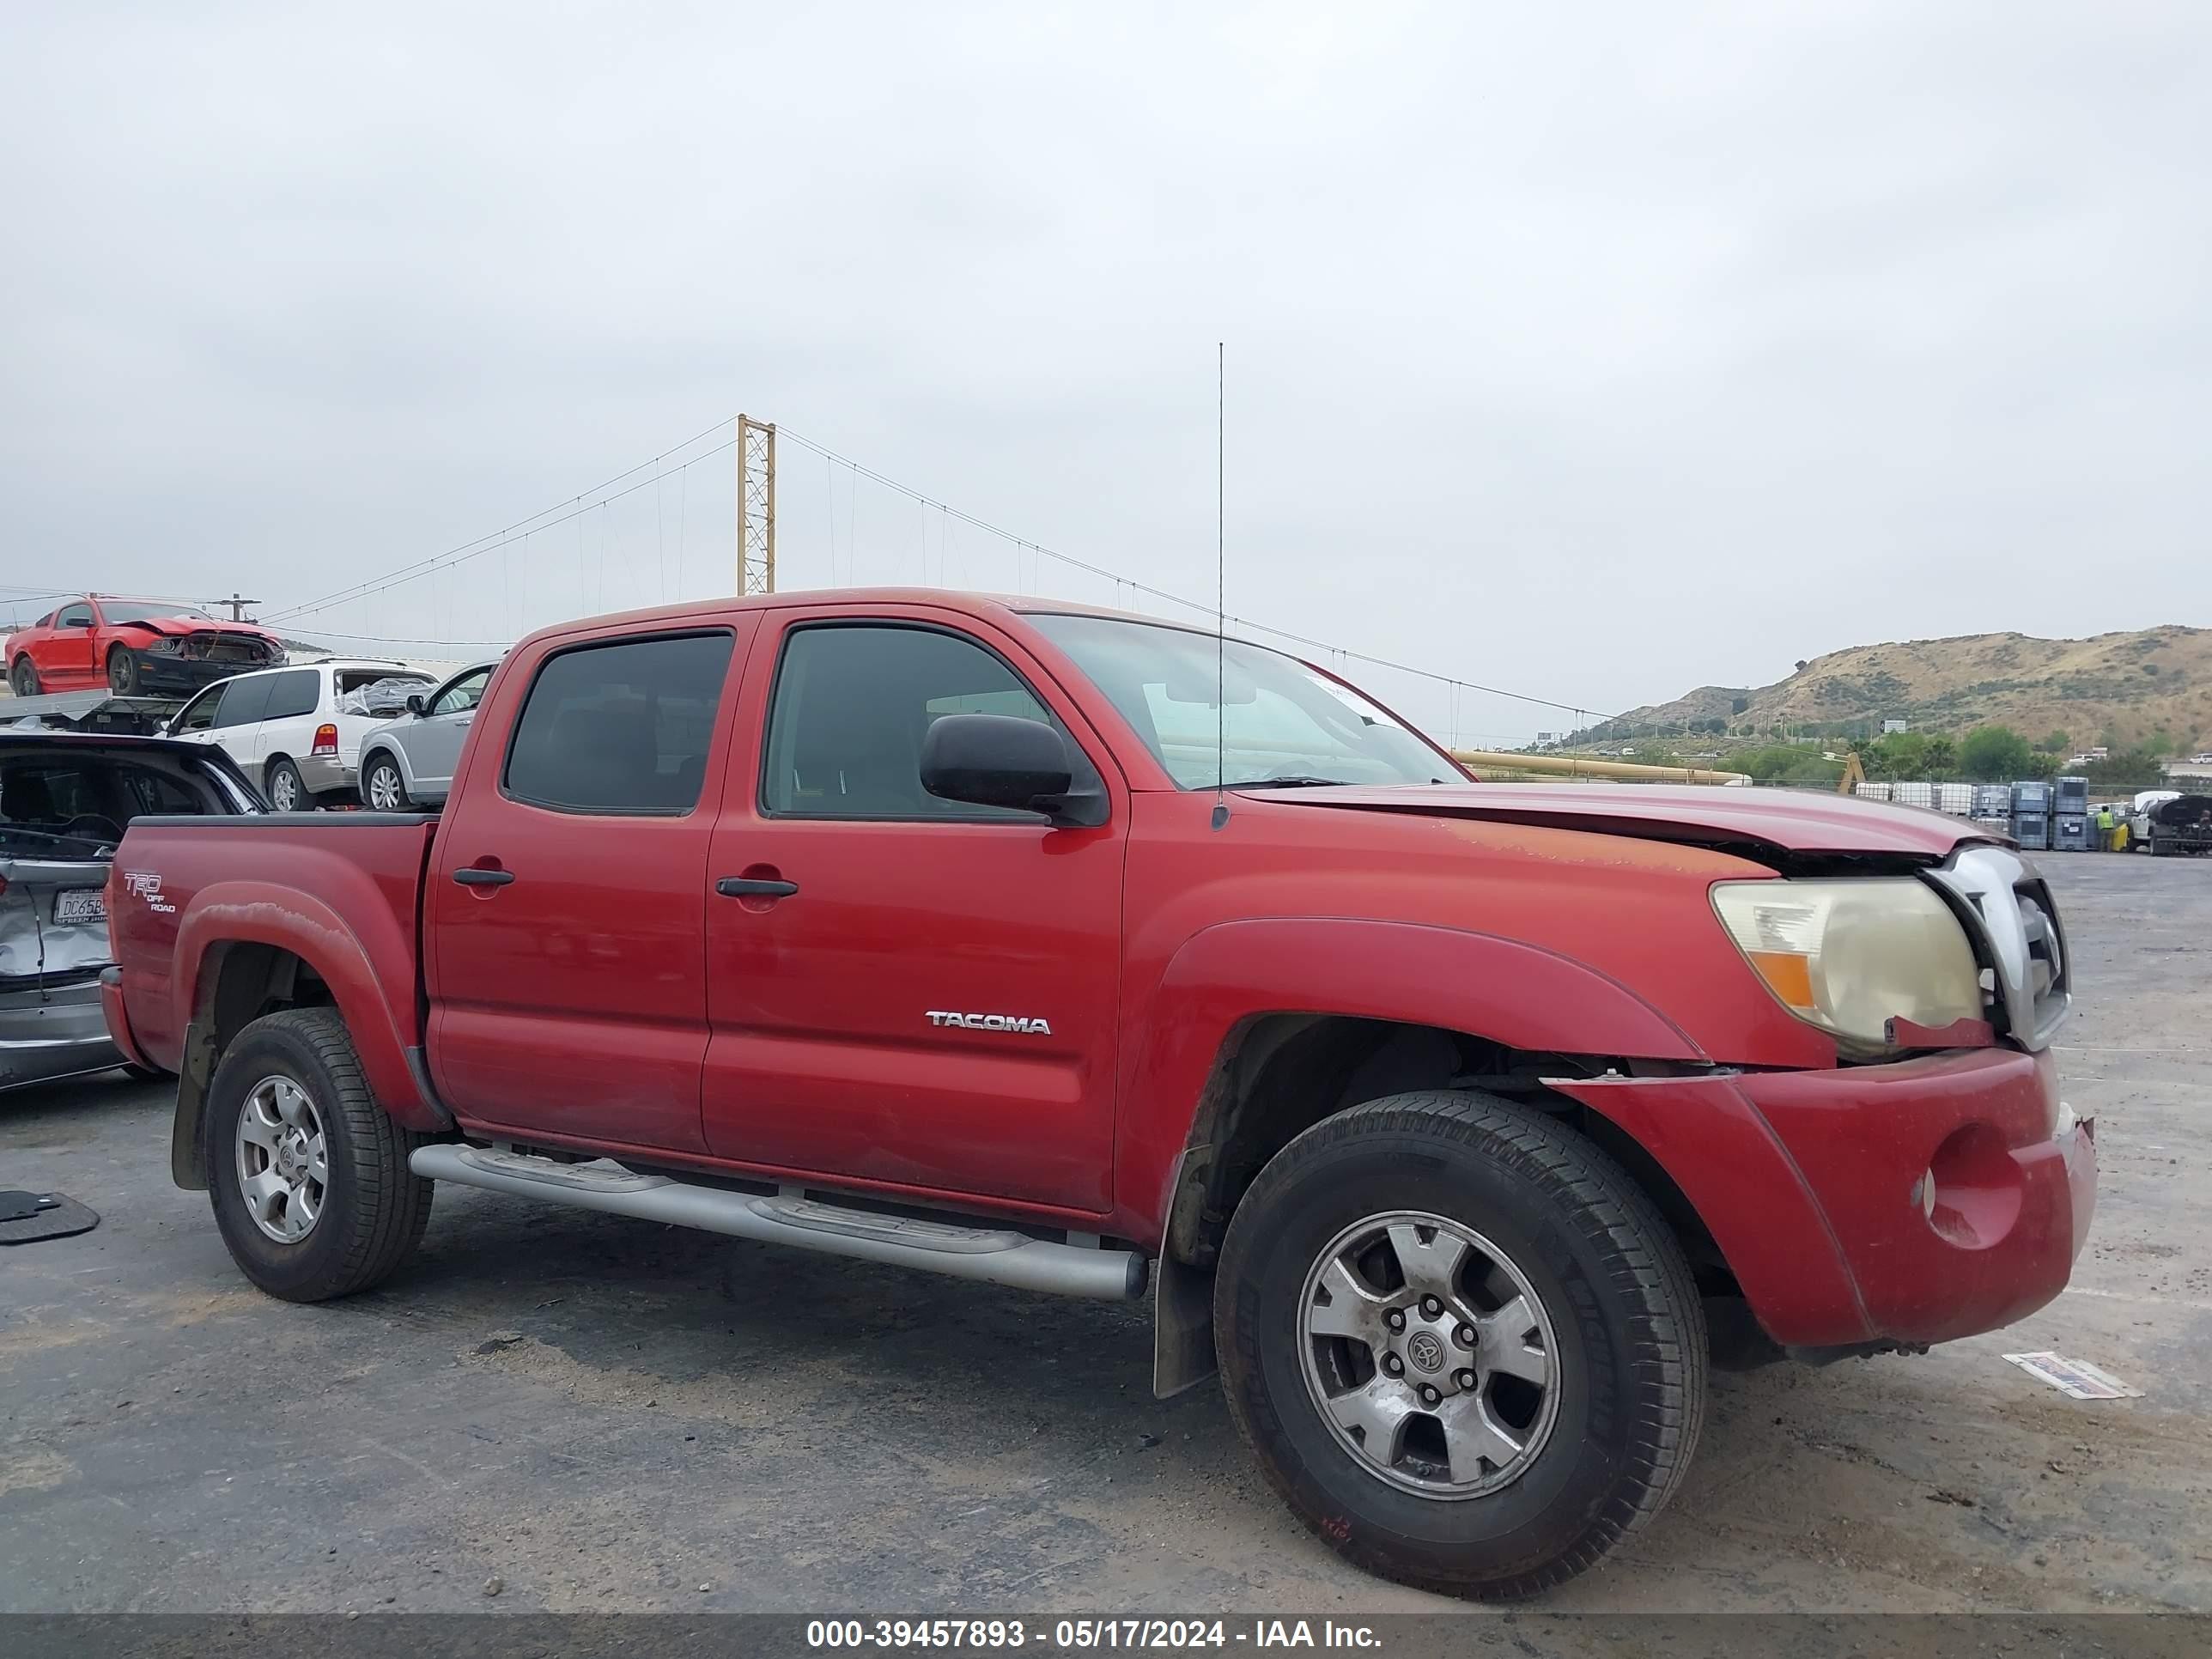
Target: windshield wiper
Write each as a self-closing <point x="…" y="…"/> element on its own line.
<point x="1291" y="780"/>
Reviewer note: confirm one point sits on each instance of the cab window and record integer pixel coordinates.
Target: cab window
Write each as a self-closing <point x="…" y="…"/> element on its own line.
<point x="73" y="616"/>
<point x="622" y="728"/>
<point x="853" y="702"/>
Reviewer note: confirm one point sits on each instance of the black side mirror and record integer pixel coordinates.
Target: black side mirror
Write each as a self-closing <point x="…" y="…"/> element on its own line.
<point x="996" y="760"/>
<point x="417" y="704"/>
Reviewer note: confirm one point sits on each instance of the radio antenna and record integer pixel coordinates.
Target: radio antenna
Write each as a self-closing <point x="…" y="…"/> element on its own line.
<point x="1220" y="585"/>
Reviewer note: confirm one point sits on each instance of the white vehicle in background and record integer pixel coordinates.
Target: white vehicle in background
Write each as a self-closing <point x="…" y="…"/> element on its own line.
<point x="297" y="731"/>
<point x="410" y="763"/>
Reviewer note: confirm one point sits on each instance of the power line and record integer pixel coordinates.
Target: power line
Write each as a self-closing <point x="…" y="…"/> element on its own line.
<point x="1134" y="586"/>
<point x="529" y="526"/>
<point x="577" y="505"/>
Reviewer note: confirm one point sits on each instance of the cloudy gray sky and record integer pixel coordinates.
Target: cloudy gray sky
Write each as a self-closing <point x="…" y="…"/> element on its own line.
<point x="1595" y="351"/>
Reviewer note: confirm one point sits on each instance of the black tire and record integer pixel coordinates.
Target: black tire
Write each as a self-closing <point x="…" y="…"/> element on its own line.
<point x="381" y="767"/>
<point x="122" y="671"/>
<point x="1630" y="1336"/>
<point x="24" y="677"/>
<point x="285" y="789"/>
<point x="146" y="1073"/>
<point x="373" y="1207"/>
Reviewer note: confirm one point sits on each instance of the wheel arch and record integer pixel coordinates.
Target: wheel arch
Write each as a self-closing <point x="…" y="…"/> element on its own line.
<point x="1263" y="1029"/>
<point x="384" y="746"/>
<point x="244" y="949"/>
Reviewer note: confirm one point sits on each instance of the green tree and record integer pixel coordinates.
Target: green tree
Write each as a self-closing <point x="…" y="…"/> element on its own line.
<point x="2059" y="743"/>
<point x="1994" y="753"/>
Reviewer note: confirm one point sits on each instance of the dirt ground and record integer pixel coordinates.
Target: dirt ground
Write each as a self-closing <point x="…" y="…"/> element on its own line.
<point x="600" y="1415"/>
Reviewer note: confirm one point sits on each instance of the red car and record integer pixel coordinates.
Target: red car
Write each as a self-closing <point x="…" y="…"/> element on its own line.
<point x="134" y="647"/>
<point x="1464" y="1126"/>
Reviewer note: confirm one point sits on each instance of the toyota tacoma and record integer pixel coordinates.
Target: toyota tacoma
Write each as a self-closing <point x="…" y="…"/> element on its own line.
<point x="1462" y="1127"/>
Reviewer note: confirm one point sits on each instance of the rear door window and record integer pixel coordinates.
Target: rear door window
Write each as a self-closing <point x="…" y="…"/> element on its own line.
<point x="620" y="728"/>
<point x="291" y="693"/>
<point x="245" y="700"/>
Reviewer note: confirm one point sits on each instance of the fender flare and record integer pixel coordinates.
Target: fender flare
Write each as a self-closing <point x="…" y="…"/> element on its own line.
<point x="1222" y="977"/>
<point x="289" y="918"/>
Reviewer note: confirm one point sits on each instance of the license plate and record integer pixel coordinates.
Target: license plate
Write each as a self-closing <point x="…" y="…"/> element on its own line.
<point x="80" y="904"/>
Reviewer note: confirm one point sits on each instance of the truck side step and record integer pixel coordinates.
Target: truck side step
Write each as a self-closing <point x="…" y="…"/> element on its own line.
<point x="1000" y="1255"/>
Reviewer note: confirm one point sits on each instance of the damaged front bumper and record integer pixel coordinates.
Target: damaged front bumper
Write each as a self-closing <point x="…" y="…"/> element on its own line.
<point x="53" y="1031"/>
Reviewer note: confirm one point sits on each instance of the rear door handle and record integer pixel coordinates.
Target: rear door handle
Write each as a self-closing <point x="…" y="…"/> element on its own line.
<point x="475" y="878"/>
<point x="754" y="887"/>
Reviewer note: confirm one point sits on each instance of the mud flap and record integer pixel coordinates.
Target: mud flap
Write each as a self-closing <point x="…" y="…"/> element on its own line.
<point x="187" y="1162"/>
<point x="1182" y="1327"/>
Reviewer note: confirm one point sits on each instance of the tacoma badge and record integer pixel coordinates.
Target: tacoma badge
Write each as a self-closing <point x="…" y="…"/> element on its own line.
<point x="992" y="1022"/>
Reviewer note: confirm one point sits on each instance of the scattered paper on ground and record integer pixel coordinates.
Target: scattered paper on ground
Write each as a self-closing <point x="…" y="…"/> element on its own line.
<point x="2077" y="1378"/>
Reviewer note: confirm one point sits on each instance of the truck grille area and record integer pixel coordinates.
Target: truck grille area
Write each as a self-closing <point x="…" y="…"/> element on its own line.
<point x="2007" y="911"/>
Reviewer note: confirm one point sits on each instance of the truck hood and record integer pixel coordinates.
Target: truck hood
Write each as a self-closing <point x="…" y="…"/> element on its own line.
<point x="1788" y="821"/>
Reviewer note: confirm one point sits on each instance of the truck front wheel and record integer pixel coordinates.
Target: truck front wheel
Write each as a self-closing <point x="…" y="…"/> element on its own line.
<point x="1464" y="1346"/>
<point x="308" y="1176"/>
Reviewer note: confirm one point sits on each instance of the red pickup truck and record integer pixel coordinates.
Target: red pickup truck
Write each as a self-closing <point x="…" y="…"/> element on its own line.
<point x="1467" y="1125"/>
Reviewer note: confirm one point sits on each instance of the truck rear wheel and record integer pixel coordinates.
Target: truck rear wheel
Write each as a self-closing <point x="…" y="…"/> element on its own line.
<point x="1464" y="1346"/>
<point x="308" y="1175"/>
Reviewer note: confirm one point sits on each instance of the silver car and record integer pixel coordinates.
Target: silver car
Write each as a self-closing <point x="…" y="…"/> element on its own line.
<point x="410" y="763"/>
<point x="66" y="799"/>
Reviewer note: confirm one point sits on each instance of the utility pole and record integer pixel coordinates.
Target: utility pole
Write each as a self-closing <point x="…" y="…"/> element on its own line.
<point x="237" y="605"/>
<point x="756" y="507"/>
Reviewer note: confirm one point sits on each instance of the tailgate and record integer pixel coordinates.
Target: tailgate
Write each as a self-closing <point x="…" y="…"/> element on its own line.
<point x="53" y="921"/>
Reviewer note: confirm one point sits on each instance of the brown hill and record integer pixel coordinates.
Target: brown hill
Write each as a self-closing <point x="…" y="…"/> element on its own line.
<point x="2120" y="688"/>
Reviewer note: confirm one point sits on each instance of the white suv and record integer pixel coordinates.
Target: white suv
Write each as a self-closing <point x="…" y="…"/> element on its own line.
<point x="285" y="728"/>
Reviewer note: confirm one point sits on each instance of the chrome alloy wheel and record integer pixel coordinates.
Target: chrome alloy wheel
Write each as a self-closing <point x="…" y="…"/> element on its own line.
<point x="284" y="1159"/>
<point x="1429" y="1355"/>
<point x="384" y="788"/>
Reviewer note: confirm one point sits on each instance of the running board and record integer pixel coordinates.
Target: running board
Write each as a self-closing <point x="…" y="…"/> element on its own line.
<point x="999" y="1256"/>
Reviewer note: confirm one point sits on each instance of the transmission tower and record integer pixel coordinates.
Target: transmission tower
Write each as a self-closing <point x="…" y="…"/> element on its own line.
<point x="756" y="507"/>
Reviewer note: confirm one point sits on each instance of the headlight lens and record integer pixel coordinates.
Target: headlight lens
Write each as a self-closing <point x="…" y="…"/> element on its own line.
<point x="167" y="646"/>
<point x="1851" y="956"/>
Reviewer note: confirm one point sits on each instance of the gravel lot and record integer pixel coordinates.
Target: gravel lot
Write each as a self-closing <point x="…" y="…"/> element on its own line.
<point x="600" y="1415"/>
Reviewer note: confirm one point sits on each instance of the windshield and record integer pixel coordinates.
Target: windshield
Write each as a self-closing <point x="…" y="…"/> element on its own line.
<point x="115" y="611"/>
<point x="1283" y="723"/>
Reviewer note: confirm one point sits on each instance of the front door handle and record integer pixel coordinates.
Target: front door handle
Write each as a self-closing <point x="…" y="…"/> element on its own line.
<point x="476" y="878"/>
<point x="754" y="887"/>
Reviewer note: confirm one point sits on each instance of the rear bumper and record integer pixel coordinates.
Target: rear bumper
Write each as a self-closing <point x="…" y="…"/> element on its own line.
<point x="1905" y="1204"/>
<point x="55" y="1033"/>
<point x="323" y="774"/>
<point x="117" y="1018"/>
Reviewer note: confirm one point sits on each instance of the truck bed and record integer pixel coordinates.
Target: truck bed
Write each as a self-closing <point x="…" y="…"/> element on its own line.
<point x="359" y="873"/>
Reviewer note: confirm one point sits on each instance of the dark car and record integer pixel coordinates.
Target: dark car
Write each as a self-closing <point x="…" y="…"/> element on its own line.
<point x="134" y="647"/>
<point x="66" y="799"/>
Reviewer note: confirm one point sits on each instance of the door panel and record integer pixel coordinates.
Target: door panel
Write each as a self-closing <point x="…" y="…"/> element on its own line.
<point x="825" y="1055"/>
<point x="288" y="717"/>
<point x="433" y="743"/>
<point x="66" y="659"/>
<point x="571" y="1000"/>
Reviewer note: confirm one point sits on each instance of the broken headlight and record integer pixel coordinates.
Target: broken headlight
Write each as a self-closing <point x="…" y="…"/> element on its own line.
<point x="1851" y="956"/>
